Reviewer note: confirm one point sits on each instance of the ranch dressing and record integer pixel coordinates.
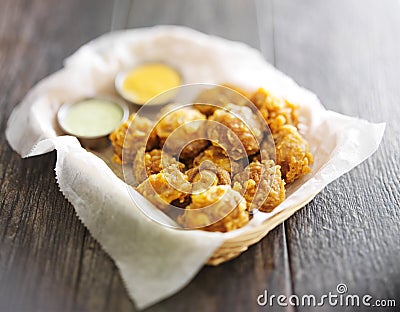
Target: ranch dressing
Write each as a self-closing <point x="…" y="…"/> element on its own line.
<point x="92" y="118"/>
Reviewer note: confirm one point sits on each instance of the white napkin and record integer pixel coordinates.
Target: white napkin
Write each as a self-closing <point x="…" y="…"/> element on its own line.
<point x="156" y="261"/>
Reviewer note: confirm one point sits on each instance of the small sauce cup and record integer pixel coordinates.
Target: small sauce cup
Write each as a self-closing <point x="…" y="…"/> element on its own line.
<point x="91" y="120"/>
<point x="147" y="83"/>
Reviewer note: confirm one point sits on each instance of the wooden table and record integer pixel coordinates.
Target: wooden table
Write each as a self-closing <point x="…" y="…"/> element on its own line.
<point x="347" y="52"/>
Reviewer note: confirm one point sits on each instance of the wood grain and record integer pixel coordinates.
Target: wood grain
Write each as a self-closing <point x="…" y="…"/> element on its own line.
<point x="43" y="247"/>
<point x="348" y="55"/>
<point x="344" y="51"/>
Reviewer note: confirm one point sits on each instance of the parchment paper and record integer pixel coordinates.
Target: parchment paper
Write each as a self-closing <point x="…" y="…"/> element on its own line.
<point x="156" y="261"/>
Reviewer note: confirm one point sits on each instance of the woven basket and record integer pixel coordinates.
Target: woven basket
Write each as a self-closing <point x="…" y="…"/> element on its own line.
<point x="233" y="247"/>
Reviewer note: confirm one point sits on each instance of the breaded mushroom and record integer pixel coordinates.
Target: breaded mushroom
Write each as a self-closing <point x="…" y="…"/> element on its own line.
<point x="292" y="153"/>
<point x="165" y="187"/>
<point x="211" y="99"/>
<point x="129" y="137"/>
<point x="276" y="111"/>
<point x="152" y="162"/>
<point x="183" y="130"/>
<point x="207" y="175"/>
<point x="237" y="129"/>
<point x="261" y="185"/>
<point x="220" y="208"/>
<point x="218" y="156"/>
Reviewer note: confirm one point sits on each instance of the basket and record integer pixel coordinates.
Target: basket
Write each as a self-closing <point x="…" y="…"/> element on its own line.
<point x="233" y="247"/>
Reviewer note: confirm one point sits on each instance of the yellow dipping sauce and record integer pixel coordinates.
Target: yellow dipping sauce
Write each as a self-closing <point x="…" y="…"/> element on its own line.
<point x="92" y="118"/>
<point x="148" y="80"/>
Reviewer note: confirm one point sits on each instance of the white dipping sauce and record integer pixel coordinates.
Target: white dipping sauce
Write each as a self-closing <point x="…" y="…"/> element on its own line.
<point x="92" y="118"/>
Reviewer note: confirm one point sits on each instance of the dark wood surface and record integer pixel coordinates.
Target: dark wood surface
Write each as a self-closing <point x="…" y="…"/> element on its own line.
<point x="347" y="52"/>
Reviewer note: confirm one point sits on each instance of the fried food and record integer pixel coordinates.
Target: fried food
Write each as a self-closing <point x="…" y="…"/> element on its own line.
<point x="152" y="162"/>
<point x="166" y="186"/>
<point x="218" y="156"/>
<point x="207" y="175"/>
<point x="275" y="110"/>
<point x="211" y="99"/>
<point x="237" y="129"/>
<point x="181" y="126"/>
<point x="220" y="208"/>
<point x="291" y="149"/>
<point x="261" y="185"/>
<point x="267" y="149"/>
<point x="292" y="153"/>
<point x="129" y="137"/>
<point x="213" y="187"/>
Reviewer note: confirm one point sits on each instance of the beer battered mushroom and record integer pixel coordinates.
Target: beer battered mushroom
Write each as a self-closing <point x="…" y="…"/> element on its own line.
<point x="220" y="208"/>
<point x="261" y="185"/>
<point x="218" y="156"/>
<point x="129" y="137"/>
<point x="216" y="188"/>
<point x="211" y="99"/>
<point x="292" y="153"/>
<point x="165" y="187"/>
<point x="207" y="175"/>
<point x="237" y="129"/>
<point x="152" y="162"/>
<point x="181" y="126"/>
<point x="275" y="110"/>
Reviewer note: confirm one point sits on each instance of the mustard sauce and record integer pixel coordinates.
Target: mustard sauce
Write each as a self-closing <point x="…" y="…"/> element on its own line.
<point x="149" y="80"/>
